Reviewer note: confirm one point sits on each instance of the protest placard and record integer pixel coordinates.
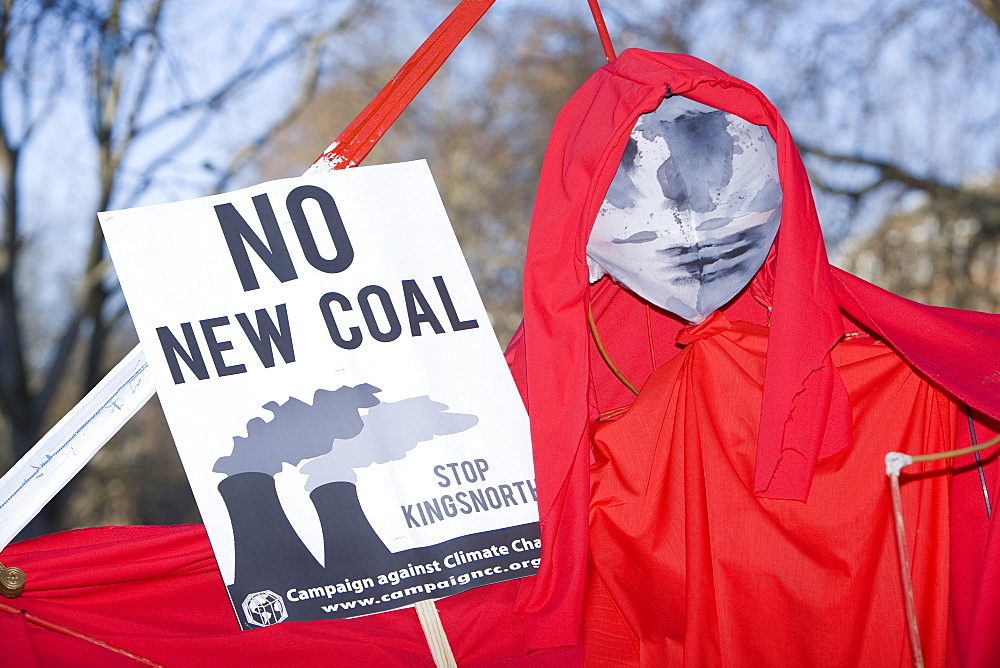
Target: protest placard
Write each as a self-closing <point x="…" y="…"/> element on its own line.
<point x="339" y="401"/>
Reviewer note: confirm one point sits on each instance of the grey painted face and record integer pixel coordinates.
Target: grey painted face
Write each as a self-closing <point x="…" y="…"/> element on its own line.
<point x="692" y="211"/>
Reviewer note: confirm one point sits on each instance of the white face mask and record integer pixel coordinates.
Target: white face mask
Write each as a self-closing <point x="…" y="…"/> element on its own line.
<point x="692" y="211"/>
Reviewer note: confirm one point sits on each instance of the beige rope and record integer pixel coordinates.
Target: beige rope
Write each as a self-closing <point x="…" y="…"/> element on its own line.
<point x="604" y="353"/>
<point x="894" y="464"/>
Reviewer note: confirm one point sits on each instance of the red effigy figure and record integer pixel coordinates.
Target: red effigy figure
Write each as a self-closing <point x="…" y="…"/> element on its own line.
<point x="737" y="511"/>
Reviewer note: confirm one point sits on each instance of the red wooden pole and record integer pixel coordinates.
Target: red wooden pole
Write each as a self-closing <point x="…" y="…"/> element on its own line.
<point x="358" y="139"/>
<point x="602" y="30"/>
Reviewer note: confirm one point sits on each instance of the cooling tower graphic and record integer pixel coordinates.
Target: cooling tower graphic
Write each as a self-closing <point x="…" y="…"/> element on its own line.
<point x="333" y="435"/>
<point x="264" y="542"/>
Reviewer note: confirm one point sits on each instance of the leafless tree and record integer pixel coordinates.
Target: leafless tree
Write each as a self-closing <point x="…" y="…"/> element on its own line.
<point x="890" y="100"/>
<point x="117" y="61"/>
<point x="482" y="128"/>
<point x="941" y="243"/>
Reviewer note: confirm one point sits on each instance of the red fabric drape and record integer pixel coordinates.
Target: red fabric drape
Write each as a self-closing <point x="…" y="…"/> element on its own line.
<point x="691" y="569"/>
<point x="804" y="413"/>
<point x="157" y="592"/>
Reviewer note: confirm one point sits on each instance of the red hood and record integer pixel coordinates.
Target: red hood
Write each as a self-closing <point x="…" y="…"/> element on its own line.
<point x="566" y="385"/>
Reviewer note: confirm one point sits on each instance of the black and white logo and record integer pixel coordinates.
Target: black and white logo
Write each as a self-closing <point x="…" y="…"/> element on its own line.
<point x="264" y="608"/>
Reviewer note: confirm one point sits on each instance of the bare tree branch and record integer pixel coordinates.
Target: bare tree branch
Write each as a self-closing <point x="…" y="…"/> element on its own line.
<point x="306" y="91"/>
<point x="148" y="67"/>
<point x="248" y="71"/>
<point x="954" y="201"/>
<point x="114" y="54"/>
<point x="888" y="171"/>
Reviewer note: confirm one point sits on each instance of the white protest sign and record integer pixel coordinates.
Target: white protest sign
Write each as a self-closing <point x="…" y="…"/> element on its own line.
<point x="339" y="401"/>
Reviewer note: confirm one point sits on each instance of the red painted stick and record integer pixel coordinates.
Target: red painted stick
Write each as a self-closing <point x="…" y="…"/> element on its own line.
<point x="602" y="30"/>
<point x="358" y="139"/>
<point x="65" y="630"/>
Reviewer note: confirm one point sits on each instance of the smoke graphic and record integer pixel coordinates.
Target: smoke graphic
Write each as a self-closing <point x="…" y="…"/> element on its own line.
<point x="391" y="429"/>
<point x="298" y="430"/>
